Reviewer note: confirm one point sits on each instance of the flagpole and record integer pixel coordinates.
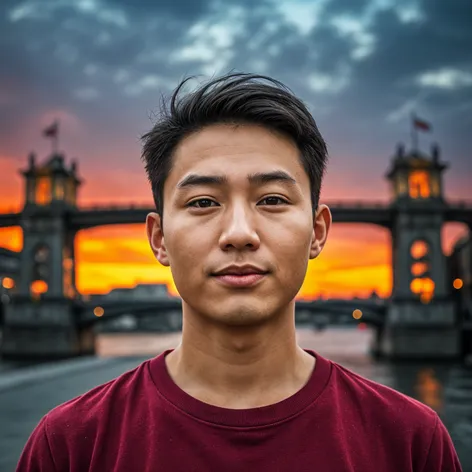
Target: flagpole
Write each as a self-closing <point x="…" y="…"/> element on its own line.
<point x="55" y="140"/>
<point x="52" y="133"/>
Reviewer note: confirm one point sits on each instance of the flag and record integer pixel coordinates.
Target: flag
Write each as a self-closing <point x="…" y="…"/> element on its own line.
<point x="421" y="124"/>
<point x="51" y="130"/>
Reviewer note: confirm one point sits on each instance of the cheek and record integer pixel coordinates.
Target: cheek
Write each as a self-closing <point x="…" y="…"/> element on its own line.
<point x="293" y="250"/>
<point x="293" y="239"/>
<point x="186" y="251"/>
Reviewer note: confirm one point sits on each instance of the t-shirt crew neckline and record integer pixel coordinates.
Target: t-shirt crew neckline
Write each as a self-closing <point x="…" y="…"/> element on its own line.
<point x="251" y="417"/>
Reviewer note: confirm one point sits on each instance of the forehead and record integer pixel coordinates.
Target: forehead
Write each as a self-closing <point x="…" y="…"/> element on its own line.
<point x="235" y="151"/>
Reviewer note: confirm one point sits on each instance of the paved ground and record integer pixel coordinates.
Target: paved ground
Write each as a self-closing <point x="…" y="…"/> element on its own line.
<point x="26" y="400"/>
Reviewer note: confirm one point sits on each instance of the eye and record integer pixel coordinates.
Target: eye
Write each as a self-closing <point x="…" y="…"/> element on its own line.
<point x="273" y="200"/>
<point x="203" y="203"/>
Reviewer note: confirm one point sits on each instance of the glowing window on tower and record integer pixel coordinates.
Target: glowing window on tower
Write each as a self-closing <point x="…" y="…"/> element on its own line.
<point x="419" y="183"/>
<point x="421" y="285"/>
<point x="68" y="274"/>
<point x="38" y="287"/>
<point x="43" y="191"/>
<point x="424" y="287"/>
<point x="419" y="268"/>
<point x="419" y="249"/>
<point x="8" y="283"/>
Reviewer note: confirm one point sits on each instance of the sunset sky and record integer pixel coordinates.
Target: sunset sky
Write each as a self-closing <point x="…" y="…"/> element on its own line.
<point x="361" y="66"/>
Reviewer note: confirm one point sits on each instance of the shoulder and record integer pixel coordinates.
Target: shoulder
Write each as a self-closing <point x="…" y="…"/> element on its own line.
<point x="81" y="420"/>
<point x="383" y="404"/>
<point x="399" y="430"/>
<point x="70" y="432"/>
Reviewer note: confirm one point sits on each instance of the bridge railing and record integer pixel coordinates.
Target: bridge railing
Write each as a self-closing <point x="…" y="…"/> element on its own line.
<point x="11" y="210"/>
<point x="114" y="206"/>
<point x="460" y="204"/>
<point x="356" y="204"/>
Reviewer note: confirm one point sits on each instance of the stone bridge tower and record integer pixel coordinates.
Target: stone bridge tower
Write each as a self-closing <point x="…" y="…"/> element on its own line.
<point x="41" y="316"/>
<point x="421" y="320"/>
<point x="47" y="259"/>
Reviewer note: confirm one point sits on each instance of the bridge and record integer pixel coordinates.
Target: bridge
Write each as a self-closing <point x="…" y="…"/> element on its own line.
<point x="371" y="312"/>
<point x="379" y="213"/>
<point x="46" y="316"/>
<point x="88" y="217"/>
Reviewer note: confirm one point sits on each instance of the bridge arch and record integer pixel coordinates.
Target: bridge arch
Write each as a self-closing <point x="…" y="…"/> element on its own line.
<point x="116" y="256"/>
<point x="349" y="260"/>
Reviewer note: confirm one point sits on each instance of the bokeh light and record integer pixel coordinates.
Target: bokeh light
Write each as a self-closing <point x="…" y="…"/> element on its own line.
<point x="98" y="311"/>
<point x="458" y="284"/>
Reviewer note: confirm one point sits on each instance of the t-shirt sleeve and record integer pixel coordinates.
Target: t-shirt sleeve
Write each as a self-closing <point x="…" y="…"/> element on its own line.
<point x="442" y="456"/>
<point x="36" y="455"/>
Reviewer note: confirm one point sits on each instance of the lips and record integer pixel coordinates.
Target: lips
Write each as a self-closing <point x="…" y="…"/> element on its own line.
<point x="240" y="270"/>
<point x="240" y="280"/>
<point x="245" y="275"/>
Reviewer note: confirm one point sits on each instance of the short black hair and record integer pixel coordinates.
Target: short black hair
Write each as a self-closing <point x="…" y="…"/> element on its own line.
<point x="234" y="98"/>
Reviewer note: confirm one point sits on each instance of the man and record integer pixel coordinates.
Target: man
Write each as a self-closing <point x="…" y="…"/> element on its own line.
<point x="236" y="169"/>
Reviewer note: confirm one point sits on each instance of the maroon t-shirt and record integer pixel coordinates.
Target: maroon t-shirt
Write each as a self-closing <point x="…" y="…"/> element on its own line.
<point x="142" y="421"/>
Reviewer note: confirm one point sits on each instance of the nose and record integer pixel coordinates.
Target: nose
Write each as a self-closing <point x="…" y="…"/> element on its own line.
<point x="239" y="230"/>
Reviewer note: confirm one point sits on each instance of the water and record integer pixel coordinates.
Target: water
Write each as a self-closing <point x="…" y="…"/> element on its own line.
<point x="445" y="387"/>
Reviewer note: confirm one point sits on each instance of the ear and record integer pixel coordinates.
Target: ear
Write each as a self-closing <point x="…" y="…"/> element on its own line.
<point x="321" y="225"/>
<point x="156" y="238"/>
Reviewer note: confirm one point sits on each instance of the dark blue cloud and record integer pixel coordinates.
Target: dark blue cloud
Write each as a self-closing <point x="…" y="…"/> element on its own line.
<point x="361" y="69"/>
<point x="183" y="9"/>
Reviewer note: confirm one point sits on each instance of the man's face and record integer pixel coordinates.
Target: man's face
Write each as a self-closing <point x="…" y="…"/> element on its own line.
<point x="237" y="220"/>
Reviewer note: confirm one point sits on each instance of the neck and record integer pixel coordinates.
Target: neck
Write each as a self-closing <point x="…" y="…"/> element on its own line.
<point x="239" y="367"/>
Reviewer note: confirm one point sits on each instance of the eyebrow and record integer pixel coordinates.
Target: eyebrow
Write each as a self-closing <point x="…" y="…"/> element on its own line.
<point x="258" y="178"/>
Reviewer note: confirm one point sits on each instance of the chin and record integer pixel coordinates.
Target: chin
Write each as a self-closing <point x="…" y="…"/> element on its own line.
<point x="243" y="310"/>
<point x="243" y="316"/>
